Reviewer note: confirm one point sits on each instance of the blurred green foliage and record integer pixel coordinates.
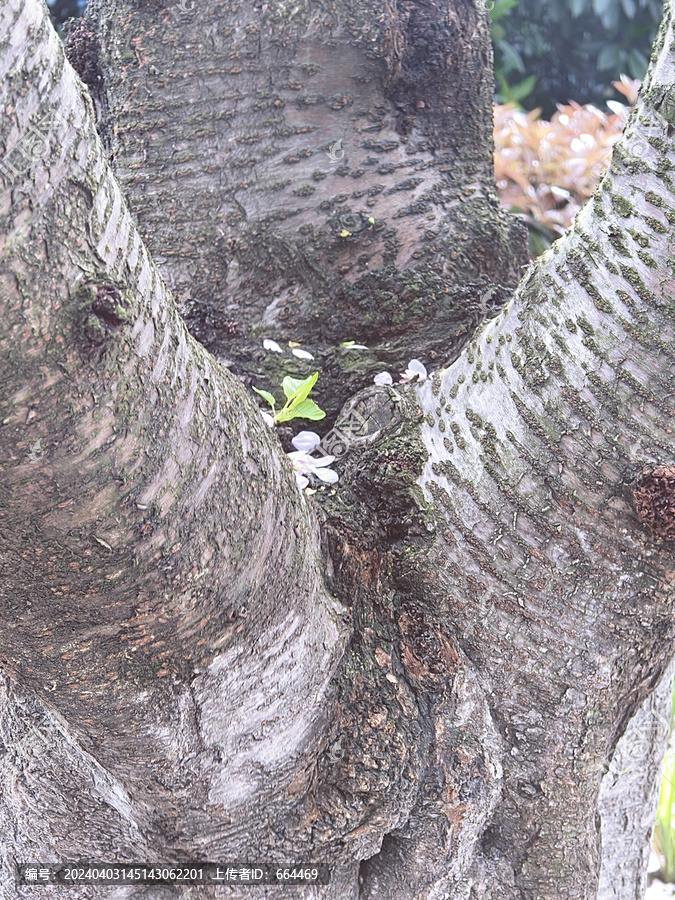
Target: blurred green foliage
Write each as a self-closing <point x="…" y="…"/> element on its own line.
<point x="553" y="51"/>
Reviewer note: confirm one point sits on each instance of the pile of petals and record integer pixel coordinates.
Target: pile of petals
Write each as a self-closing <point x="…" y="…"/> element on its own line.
<point x="305" y="464"/>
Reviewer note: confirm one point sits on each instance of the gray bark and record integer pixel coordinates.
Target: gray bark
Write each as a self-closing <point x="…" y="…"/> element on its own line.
<point x="149" y="539"/>
<point x="629" y="795"/>
<point x="556" y="512"/>
<point x="219" y="123"/>
<point x="419" y="678"/>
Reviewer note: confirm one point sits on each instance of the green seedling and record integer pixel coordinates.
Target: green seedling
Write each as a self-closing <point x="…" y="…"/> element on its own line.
<point x="297" y="405"/>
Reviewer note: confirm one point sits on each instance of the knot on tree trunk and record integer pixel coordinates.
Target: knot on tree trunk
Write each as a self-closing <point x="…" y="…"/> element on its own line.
<point x="103" y="306"/>
<point x="654" y="498"/>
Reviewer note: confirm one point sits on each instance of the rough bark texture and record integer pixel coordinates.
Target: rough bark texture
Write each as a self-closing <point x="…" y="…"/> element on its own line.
<point x="161" y="594"/>
<point x="220" y="122"/>
<point x="629" y="795"/>
<point x="421" y="677"/>
<point x="558" y="587"/>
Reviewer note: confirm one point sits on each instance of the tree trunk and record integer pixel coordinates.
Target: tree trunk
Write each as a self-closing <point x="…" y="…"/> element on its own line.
<point x="422" y="677"/>
<point x="632" y="786"/>
<point x="220" y="123"/>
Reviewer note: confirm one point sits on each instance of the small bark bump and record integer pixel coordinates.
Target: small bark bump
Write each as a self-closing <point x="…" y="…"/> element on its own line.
<point x="654" y="498"/>
<point x="104" y="306"/>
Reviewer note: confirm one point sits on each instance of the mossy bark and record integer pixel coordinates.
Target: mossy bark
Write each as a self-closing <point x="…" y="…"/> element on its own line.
<point x="157" y="556"/>
<point x="550" y="474"/>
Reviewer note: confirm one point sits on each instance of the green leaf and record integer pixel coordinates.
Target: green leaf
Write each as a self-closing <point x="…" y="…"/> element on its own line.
<point x="637" y="64"/>
<point x="307" y="409"/>
<point x="610" y="17"/>
<point x="523" y="89"/>
<point x="538" y="243"/>
<point x="297" y="389"/>
<point x="266" y="396"/>
<point x="500" y="8"/>
<point x="497" y="32"/>
<point x="609" y="57"/>
<point x="345" y="233"/>
<point x="371" y="220"/>
<point x="512" y="60"/>
<point x="290" y="385"/>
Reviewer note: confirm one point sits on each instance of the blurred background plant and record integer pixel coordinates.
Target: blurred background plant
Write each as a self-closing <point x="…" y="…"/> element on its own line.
<point x="547" y="169"/>
<point x="550" y="51"/>
<point x="664" y="828"/>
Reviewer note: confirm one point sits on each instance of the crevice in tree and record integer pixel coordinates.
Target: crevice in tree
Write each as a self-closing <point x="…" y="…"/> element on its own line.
<point x="82" y="47"/>
<point x="377" y="537"/>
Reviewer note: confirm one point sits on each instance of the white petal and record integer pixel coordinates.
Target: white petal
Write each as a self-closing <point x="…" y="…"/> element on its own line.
<point x="415" y="367"/>
<point x="324" y="461"/>
<point x="560" y="193"/>
<point x="269" y="344"/>
<point x="383" y="378"/>
<point x="327" y="475"/>
<point x="617" y="108"/>
<point x="301" y="480"/>
<point x="306" y="440"/>
<point x="302" y="354"/>
<point x="301" y="461"/>
<point x="268" y="418"/>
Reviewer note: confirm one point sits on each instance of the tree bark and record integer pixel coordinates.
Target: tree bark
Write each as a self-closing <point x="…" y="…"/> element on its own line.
<point x="220" y="122"/>
<point x="161" y="589"/>
<point x="629" y="795"/>
<point x="420" y="678"/>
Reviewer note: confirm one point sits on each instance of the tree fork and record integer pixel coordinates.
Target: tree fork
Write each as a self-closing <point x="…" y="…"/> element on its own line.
<point x="391" y="243"/>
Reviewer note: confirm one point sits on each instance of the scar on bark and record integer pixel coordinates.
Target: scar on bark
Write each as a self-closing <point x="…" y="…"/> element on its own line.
<point x="104" y="307"/>
<point x="654" y="499"/>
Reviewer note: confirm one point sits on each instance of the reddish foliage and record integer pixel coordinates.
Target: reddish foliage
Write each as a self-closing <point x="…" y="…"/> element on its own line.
<point x="548" y="170"/>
